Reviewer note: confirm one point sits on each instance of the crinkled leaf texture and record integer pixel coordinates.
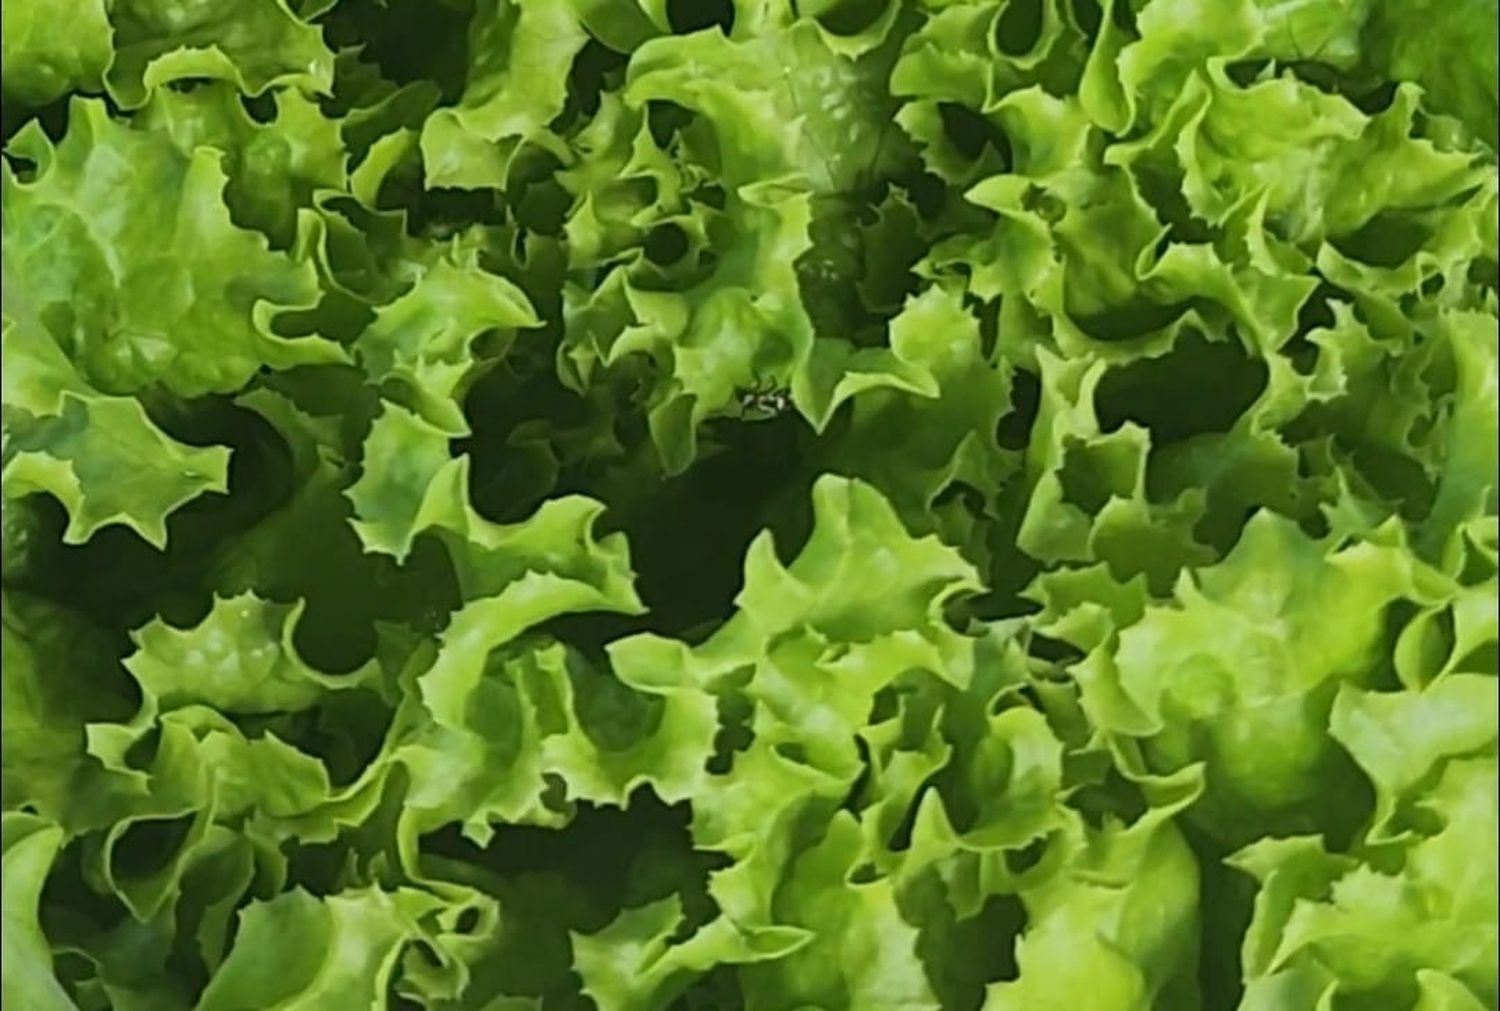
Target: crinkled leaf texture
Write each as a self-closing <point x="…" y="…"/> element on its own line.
<point x="670" y="505"/>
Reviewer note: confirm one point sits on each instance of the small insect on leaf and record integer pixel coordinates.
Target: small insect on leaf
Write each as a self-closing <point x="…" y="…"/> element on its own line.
<point x="763" y="401"/>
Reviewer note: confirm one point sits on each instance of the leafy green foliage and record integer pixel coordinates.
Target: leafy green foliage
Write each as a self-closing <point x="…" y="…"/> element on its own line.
<point x="845" y="505"/>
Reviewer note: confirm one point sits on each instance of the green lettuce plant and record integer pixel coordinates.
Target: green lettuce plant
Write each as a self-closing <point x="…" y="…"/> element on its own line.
<point x="782" y="505"/>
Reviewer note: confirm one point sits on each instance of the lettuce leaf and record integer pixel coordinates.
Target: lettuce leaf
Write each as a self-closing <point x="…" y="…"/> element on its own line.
<point x="661" y="505"/>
